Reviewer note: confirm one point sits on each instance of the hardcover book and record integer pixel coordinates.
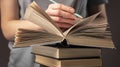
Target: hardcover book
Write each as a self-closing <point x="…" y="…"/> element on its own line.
<point x="66" y="52"/>
<point x="50" y="62"/>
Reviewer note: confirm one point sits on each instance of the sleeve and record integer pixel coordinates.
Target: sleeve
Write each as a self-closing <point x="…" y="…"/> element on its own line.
<point x="96" y="2"/>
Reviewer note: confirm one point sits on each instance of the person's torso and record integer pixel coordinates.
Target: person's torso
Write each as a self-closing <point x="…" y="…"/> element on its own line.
<point x="80" y="6"/>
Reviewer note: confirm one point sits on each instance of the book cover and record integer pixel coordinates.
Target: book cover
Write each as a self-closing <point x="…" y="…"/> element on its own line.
<point x="94" y="62"/>
<point x="59" y="52"/>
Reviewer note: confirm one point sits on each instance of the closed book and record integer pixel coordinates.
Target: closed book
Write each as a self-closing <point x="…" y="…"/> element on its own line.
<point x="51" y="62"/>
<point x="66" y="52"/>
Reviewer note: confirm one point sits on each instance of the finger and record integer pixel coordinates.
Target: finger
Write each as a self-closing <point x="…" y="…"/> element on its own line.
<point x="62" y="7"/>
<point x="63" y="29"/>
<point x="63" y="20"/>
<point x="63" y="25"/>
<point x="60" y="13"/>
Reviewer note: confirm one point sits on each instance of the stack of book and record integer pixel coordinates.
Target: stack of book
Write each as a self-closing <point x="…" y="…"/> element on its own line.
<point x="85" y="36"/>
<point x="72" y="56"/>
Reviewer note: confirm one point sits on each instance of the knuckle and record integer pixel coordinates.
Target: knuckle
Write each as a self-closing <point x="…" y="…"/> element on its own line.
<point x="59" y="6"/>
<point x="58" y="19"/>
<point x="48" y="11"/>
<point x="71" y="10"/>
<point x="58" y="12"/>
<point x="50" y="5"/>
<point x="68" y="14"/>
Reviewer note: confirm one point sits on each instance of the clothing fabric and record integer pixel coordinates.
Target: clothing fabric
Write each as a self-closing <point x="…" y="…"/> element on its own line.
<point x="22" y="57"/>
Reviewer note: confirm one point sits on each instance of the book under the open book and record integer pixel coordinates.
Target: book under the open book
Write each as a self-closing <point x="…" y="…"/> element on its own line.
<point x="51" y="62"/>
<point x="59" y="52"/>
<point x="82" y="33"/>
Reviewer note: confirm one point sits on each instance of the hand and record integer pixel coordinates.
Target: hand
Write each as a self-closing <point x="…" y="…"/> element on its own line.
<point x="62" y="15"/>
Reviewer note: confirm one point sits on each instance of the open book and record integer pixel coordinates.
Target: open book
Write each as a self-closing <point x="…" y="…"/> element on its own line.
<point x="82" y="33"/>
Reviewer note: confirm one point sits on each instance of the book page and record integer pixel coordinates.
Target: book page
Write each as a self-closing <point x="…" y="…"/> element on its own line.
<point x="90" y="33"/>
<point x="80" y="24"/>
<point x="30" y="37"/>
<point x="42" y="19"/>
<point x="87" y="40"/>
<point x="38" y="9"/>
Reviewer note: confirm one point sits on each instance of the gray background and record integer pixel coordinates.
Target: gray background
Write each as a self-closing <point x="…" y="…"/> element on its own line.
<point x="111" y="57"/>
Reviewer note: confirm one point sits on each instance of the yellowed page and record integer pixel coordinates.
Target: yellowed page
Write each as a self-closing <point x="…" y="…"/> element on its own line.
<point x="90" y="41"/>
<point x="41" y="21"/>
<point x="80" y="23"/>
<point x="25" y="37"/>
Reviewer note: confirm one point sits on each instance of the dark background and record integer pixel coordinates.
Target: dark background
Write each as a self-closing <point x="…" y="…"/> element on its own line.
<point x="111" y="57"/>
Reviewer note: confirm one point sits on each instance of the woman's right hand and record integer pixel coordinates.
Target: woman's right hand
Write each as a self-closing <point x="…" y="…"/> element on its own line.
<point x="62" y="15"/>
